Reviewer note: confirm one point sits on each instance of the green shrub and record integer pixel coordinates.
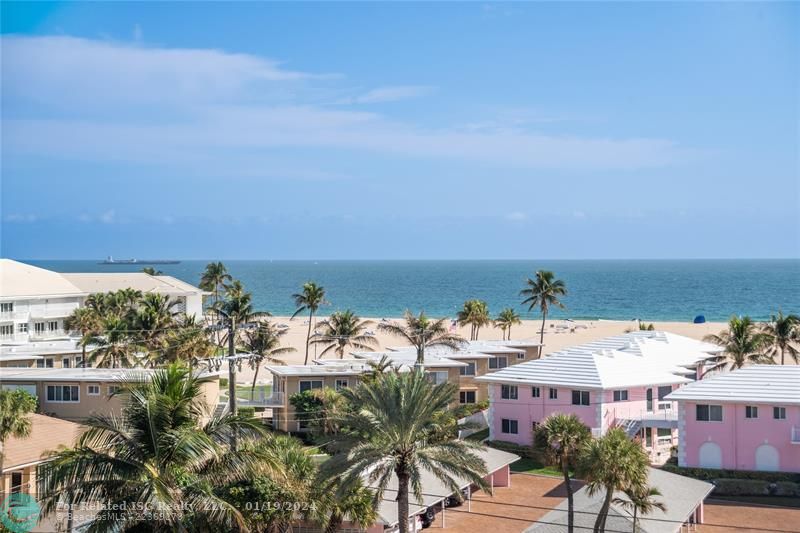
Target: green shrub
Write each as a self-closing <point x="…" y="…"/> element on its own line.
<point x="710" y="474"/>
<point x="468" y="409"/>
<point x="787" y="488"/>
<point x="249" y="412"/>
<point x="511" y="447"/>
<point x="741" y="487"/>
<point x="223" y="382"/>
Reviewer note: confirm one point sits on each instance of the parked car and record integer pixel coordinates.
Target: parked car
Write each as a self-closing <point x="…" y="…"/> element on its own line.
<point x="428" y="517"/>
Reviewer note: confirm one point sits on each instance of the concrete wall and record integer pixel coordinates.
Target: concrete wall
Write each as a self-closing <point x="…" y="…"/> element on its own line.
<point x="737" y="439"/>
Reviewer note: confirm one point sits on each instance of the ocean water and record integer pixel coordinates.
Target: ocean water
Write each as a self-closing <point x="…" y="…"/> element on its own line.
<point x="675" y="290"/>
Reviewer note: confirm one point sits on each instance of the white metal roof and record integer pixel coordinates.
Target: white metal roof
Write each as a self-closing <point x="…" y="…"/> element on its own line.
<point x="633" y="359"/>
<point x="409" y="358"/>
<point x="327" y="368"/>
<point x="19" y="280"/>
<point x="113" y="281"/>
<point x="79" y="374"/>
<point x="770" y="384"/>
<point x="33" y="350"/>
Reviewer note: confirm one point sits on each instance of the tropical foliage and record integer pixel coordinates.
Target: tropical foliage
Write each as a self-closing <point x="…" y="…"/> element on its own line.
<point x="422" y="332"/>
<point x="742" y="343"/>
<point x="310" y="299"/>
<point x="15" y="409"/>
<point x="505" y="319"/>
<point x="159" y="462"/>
<point x="264" y="344"/>
<point x="640" y="500"/>
<point x="343" y="330"/>
<point x="543" y="291"/>
<point x="612" y="463"/>
<point x="394" y="429"/>
<point x="560" y="438"/>
<point x="474" y="314"/>
<point x="781" y="336"/>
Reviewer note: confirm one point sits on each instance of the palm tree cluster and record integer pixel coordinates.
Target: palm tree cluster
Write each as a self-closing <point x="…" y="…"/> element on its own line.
<point x="745" y="341"/>
<point x="609" y="464"/>
<point x="474" y="314"/>
<point x="505" y="319"/>
<point x="344" y="330"/>
<point x="127" y="328"/>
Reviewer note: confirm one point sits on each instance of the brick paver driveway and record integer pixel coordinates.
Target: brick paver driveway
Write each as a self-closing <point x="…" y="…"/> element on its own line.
<point x="724" y="517"/>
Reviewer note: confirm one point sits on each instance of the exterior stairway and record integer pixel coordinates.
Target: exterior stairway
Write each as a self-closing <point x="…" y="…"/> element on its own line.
<point x="630" y="427"/>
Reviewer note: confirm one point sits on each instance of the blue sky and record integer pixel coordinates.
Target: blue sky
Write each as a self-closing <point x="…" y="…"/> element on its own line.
<point x="327" y="131"/>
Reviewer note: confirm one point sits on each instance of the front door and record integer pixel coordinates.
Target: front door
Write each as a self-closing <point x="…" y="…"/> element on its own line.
<point x="649" y="400"/>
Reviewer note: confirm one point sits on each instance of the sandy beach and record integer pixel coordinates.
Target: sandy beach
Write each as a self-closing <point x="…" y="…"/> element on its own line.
<point x="558" y="335"/>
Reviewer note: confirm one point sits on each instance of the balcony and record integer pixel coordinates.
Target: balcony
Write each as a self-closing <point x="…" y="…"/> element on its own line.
<point x="795" y="435"/>
<point x="14" y="337"/>
<point x="259" y="399"/>
<point x="48" y="334"/>
<point x="19" y="316"/>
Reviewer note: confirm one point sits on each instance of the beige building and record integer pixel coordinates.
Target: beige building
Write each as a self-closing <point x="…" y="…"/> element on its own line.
<point x="77" y="393"/>
<point x="22" y="456"/>
<point x="336" y="374"/>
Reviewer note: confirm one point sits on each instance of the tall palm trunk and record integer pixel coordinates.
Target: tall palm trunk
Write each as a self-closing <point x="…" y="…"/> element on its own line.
<point x="600" y="523"/>
<point x="635" y="519"/>
<point x="402" y="499"/>
<point x="255" y="377"/>
<point x="783" y="360"/>
<point x="333" y="523"/>
<point x="541" y="333"/>
<point x="308" y="334"/>
<point x="509" y="332"/>
<point x="570" y="499"/>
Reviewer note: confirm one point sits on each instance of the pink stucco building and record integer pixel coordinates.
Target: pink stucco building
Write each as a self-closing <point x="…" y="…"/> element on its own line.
<point x="617" y="381"/>
<point x="747" y="419"/>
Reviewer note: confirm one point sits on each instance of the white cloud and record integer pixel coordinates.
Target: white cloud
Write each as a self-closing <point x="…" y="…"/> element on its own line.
<point x="21" y="217"/>
<point x="108" y="217"/>
<point x="516" y="216"/>
<point x="579" y="214"/>
<point x="391" y="94"/>
<point x="203" y="107"/>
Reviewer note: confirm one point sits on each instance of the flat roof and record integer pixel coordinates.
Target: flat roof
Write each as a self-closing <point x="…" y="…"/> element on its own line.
<point x="346" y="369"/>
<point x="771" y="384"/>
<point x="409" y="358"/>
<point x="10" y="374"/>
<point x="20" y="280"/>
<point x="113" y="281"/>
<point x="32" y="350"/>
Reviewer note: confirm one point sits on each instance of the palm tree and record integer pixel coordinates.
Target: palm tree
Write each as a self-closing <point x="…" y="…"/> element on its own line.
<point x="475" y="314"/>
<point x="377" y="368"/>
<point x="150" y="271"/>
<point x="612" y="463"/>
<point x="165" y="454"/>
<point x="187" y="341"/>
<point x="152" y="319"/>
<point x="15" y="409"/>
<point x="640" y="500"/>
<point x="505" y="319"/>
<point x="312" y="297"/>
<point x="115" y="344"/>
<point x="333" y="504"/>
<point x="215" y="278"/>
<point x="83" y="320"/>
<point x="264" y="344"/>
<point x="344" y="329"/>
<point x="741" y="344"/>
<point x="391" y="426"/>
<point x="543" y="292"/>
<point x="781" y="336"/>
<point x="423" y="332"/>
<point x="561" y="438"/>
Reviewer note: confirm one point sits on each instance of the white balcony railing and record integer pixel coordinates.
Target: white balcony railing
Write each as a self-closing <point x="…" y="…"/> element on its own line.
<point x="260" y="399"/>
<point x="795" y="435"/>
<point x="14" y="315"/>
<point x="48" y="334"/>
<point x="14" y="337"/>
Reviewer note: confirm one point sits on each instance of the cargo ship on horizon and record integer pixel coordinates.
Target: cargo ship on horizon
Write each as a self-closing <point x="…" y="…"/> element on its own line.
<point x="111" y="261"/>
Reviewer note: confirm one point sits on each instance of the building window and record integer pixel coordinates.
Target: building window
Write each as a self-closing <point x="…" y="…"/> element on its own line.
<point x="509" y="426"/>
<point x="498" y="362"/>
<point x="779" y="413"/>
<point x="466" y="396"/>
<point x="63" y="393"/>
<point x="44" y="363"/>
<point x="7" y="307"/>
<point x="708" y="413"/>
<point x="580" y="397"/>
<point x="79" y="362"/>
<point x="39" y="327"/>
<point x="620" y="396"/>
<point x="751" y="411"/>
<point x="65" y="362"/>
<point x="553" y="394"/>
<point x="7" y="330"/>
<point x="113" y="389"/>
<point x="52" y="326"/>
<point x="93" y="390"/>
<point x="468" y="370"/>
<point x="310" y="385"/>
<point x="437" y="378"/>
<point x="509" y="392"/>
<point x="535" y="392"/>
<point x="521" y="355"/>
<point x="341" y="384"/>
<point x="22" y="327"/>
<point x="663" y="391"/>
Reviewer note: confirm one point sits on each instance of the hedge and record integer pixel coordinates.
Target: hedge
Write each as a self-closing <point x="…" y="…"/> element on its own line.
<point x="755" y="487"/>
<point x="710" y="474"/>
<point x="511" y="447"/>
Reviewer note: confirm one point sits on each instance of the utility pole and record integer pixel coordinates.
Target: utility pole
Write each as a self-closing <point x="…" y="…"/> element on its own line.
<point x="232" y="365"/>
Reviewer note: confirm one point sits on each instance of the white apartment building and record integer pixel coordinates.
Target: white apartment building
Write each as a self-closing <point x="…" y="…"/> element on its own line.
<point x="34" y="302"/>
